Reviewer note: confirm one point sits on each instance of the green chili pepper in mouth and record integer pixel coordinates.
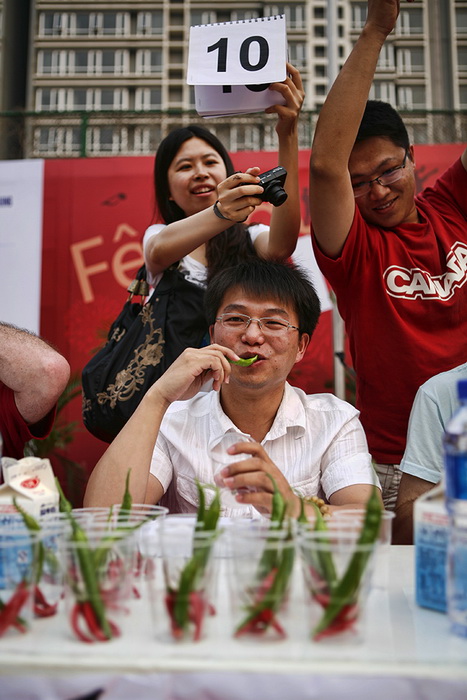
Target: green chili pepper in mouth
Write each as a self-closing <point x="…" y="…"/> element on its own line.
<point x="243" y="361"/>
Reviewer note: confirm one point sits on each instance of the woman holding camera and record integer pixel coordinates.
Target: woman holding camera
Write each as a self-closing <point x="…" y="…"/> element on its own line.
<point x="202" y="203"/>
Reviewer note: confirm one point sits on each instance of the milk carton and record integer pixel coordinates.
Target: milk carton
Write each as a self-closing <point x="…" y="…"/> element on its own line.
<point x="31" y="482"/>
<point x="431" y="528"/>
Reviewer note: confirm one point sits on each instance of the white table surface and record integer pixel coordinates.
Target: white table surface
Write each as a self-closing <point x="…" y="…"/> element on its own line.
<point x="408" y="652"/>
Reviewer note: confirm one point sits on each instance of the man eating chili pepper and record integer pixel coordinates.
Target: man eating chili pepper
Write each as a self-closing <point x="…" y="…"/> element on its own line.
<point x="311" y="445"/>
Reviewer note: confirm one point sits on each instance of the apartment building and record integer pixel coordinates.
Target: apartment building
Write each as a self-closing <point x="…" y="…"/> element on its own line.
<point x="108" y="78"/>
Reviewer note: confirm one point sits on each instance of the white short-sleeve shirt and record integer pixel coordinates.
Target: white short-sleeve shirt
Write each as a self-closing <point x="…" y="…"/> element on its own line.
<point x="317" y="441"/>
<point x="192" y="269"/>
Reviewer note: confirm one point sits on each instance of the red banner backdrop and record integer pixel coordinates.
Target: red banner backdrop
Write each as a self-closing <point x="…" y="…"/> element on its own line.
<point x="95" y="214"/>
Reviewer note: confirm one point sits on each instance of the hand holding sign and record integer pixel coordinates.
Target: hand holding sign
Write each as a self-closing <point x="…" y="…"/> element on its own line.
<point x="232" y="65"/>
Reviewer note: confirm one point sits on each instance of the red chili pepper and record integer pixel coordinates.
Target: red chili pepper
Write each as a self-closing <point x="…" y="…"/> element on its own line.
<point x="41" y="607"/>
<point x="196" y="613"/>
<point x="197" y="607"/>
<point x="75" y="622"/>
<point x="10" y="611"/>
<point x="260" y="623"/>
<point x="84" y="611"/>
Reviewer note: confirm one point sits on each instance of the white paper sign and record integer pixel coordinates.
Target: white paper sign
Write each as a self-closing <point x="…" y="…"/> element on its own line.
<point x="221" y="100"/>
<point x="238" y="53"/>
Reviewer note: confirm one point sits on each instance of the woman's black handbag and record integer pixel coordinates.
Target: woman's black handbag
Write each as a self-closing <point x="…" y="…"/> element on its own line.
<point x="142" y="342"/>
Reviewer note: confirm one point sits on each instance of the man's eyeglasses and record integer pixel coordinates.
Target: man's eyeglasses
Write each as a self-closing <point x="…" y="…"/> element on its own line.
<point x="387" y="178"/>
<point x="240" y="322"/>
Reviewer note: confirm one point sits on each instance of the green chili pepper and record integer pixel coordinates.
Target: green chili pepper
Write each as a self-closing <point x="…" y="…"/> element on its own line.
<point x="87" y="565"/>
<point x="243" y="361"/>
<point x="326" y="563"/>
<point x="201" y="505"/>
<point x="127" y="501"/>
<point x="346" y="590"/>
<point x="181" y="602"/>
<point x="302" y="515"/>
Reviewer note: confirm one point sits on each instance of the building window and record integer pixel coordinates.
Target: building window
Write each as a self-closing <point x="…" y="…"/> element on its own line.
<point x="319" y="31"/>
<point x="295" y="15"/>
<point x="412" y="97"/>
<point x="95" y="62"/>
<point x="381" y="90"/>
<point x="358" y="16"/>
<point x="320" y="52"/>
<point x="386" y="58"/>
<point x="462" y="58"/>
<point x="107" y="139"/>
<point x="77" y="99"/>
<point x="149" y="61"/>
<point x="410" y="22"/>
<point x="297" y="55"/>
<point x="320" y="71"/>
<point x="49" y="100"/>
<point x="57" y="141"/>
<point x="461" y="20"/>
<point x="80" y="61"/>
<point x="99" y="23"/>
<point x="150" y="23"/>
<point x="53" y="24"/>
<point x="147" y="139"/>
<point x="148" y="98"/>
<point x="410" y="60"/>
<point x="463" y="96"/>
<point x="48" y="62"/>
<point x="245" y="138"/>
<point x="202" y="17"/>
<point x="238" y="15"/>
<point x="319" y="12"/>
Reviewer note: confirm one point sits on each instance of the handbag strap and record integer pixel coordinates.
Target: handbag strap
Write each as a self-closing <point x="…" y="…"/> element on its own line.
<point x="140" y="287"/>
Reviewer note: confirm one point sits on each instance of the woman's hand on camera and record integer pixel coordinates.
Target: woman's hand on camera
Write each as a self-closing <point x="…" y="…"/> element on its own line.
<point x="239" y="195"/>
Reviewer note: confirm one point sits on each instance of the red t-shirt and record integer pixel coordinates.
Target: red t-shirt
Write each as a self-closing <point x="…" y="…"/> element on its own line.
<point x="403" y="296"/>
<point x="14" y="430"/>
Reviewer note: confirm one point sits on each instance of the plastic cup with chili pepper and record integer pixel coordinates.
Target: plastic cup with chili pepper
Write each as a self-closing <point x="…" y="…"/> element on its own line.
<point x="262" y="565"/>
<point x="352" y="519"/>
<point x="98" y="565"/>
<point x="18" y="563"/>
<point x="337" y="572"/>
<point x="143" y="520"/>
<point x="184" y="601"/>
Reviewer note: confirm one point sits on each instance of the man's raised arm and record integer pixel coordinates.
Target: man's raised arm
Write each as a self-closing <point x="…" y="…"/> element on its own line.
<point x="332" y="203"/>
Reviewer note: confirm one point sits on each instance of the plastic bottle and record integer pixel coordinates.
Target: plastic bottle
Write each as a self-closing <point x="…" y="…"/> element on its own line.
<point x="455" y="455"/>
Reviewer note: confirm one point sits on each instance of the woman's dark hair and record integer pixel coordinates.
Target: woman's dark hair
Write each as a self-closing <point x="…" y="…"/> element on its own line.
<point x="233" y="244"/>
<point x="267" y="279"/>
<point x="381" y="119"/>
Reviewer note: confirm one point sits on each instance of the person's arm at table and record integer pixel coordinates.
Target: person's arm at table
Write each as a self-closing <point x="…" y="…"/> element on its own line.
<point x="410" y="488"/>
<point x="134" y="445"/>
<point x="33" y="370"/>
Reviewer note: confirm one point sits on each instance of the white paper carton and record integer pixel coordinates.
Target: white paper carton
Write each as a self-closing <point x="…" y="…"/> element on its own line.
<point x="31" y="482"/>
<point x="431" y="528"/>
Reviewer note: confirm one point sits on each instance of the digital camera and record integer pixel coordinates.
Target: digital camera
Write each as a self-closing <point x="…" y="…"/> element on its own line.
<point x="273" y="181"/>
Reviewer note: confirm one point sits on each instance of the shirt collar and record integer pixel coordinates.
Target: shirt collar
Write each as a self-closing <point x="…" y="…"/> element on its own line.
<point x="290" y="415"/>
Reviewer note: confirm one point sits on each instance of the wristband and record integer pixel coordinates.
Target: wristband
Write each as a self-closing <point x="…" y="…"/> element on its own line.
<point x="219" y="214"/>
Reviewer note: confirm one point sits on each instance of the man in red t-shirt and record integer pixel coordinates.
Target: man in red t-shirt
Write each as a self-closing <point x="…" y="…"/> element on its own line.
<point x="397" y="262"/>
<point x="32" y="377"/>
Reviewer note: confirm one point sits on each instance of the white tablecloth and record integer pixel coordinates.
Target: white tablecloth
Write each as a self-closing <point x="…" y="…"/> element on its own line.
<point x="408" y="653"/>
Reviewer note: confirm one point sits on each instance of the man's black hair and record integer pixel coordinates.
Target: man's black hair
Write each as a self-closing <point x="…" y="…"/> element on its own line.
<point x="266" y="279"/>
<point x="381" y="119"/>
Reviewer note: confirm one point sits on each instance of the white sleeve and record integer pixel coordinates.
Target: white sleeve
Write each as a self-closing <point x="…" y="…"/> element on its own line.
<point x="153" y="230"/>
<point x="255" y="229"/>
